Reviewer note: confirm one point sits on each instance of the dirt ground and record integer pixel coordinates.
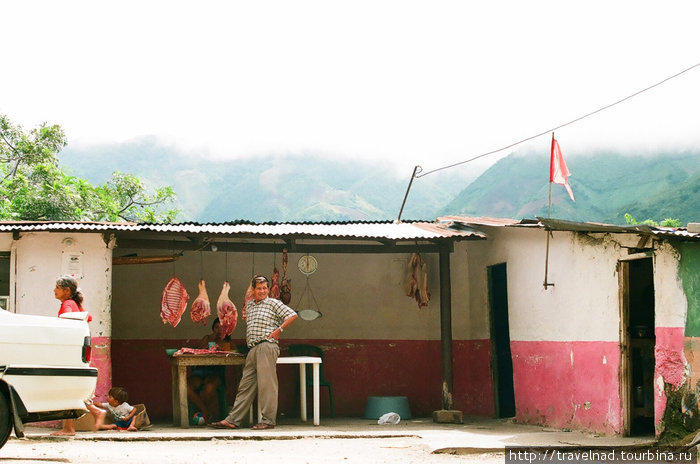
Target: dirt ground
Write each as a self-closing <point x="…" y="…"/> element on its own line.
<point x="404" y="450"/>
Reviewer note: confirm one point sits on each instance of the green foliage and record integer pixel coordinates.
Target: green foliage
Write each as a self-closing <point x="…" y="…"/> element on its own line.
<point x="668" y="222"/>
<point x="33" y="187"/>
<point x="124" y="197"/>
<point x="632" y="221"/>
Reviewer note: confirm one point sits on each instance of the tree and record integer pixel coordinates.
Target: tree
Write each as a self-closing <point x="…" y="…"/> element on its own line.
<point x="124" y="197"/>
<point x="34" y="187"/>
<point x="668" y="222"/>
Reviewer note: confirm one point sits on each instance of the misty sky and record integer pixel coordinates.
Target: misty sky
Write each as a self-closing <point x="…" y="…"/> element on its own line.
<point x="429" y="83"/>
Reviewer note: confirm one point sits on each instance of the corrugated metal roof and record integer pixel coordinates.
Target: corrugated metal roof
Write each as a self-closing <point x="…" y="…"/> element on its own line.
<point x="350" y="230"/>
<point x="574" y="226"/>
<point x="644" y="229"/>
<point x="11" y="226"/>
<point x="479" y="221"/>
<point x="446" y="227"/>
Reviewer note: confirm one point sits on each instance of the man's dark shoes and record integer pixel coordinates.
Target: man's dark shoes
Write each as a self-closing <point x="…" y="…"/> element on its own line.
<point x="222" y="424"/>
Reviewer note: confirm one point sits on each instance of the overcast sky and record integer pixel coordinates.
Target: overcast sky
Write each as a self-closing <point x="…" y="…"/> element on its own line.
<point x="429" y="83"/>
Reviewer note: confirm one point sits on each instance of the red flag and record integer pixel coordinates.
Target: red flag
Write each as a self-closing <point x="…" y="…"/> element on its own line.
<point x="558" y="172"/>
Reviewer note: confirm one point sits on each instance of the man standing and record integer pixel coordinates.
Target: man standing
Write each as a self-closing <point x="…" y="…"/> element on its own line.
<point x="266" y="318"/>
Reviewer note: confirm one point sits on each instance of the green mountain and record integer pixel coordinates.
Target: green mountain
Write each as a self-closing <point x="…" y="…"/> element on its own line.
<point x="606" y="185"/>
<point x="312" y="187"/>
<point x="260" y="189"/>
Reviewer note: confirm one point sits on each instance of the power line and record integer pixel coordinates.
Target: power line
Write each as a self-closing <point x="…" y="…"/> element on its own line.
<point x="559" y="126"/>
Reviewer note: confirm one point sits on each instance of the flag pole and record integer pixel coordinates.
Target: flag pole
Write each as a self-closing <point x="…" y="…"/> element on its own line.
<point x="549" y="212"/>
<point x="416" y="170"/>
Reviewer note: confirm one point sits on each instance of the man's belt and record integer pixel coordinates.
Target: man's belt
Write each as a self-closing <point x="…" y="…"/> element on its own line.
<point x="251" y="345"/>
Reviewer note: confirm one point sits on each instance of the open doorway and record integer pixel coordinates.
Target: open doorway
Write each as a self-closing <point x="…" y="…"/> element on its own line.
<point x="4" y="279"/>
<point x="501" y="359"/>
<point x="638" y="341"/>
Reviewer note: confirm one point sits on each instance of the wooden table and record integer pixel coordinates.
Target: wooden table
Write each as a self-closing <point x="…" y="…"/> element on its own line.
<point x="179" y="364"/>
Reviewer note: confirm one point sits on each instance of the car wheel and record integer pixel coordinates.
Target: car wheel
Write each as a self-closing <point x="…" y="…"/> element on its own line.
<point x="5" y="419"/>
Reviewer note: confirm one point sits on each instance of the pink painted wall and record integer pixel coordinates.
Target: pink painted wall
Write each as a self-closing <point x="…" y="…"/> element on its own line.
<point x="568" y="384"/>
<point x="356" y="369"/>
<point x="669" y="365"/>
<point x="472" y="380"/>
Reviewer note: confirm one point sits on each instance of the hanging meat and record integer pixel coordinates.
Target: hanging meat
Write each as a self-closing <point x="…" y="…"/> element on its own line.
<point x="286" y="288"/>
<point x="201" y="309"/>
<point x="410" y="284"/>
<point x="286" y="291"/>
<point x="275" y="286"/>
<point x="226" y="310"/>
<point x="249" y="295"/>
<point x="173" y="302"/>
<point x="416" y="280"/>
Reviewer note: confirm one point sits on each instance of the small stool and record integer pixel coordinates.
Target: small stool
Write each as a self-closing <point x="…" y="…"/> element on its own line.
<point x="377" y="406"/>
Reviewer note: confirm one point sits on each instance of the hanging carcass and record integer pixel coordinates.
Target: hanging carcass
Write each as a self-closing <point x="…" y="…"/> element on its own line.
<point x="286" y="287"/>
<point x="249" y="295"/>
<point x="226" y="310"/>
<point x="275" y="286"/>
<point x="201" y="308"/>
<point x="173" y="302"/>
<point x="416" y="280"/>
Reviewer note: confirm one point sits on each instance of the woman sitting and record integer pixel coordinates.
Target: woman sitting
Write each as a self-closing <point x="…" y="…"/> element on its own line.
<point x="204" y="381"/>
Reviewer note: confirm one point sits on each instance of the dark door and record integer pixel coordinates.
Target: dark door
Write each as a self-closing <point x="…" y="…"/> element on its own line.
<point x="640" y="332"/>
<point x="500" y="341"/>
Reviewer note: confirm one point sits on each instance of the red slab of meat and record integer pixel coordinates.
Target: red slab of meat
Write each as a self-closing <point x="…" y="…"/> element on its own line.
<point x="201" y="309"/>
<point x="286" y="288"/>
<point x="173" y="302"/>
<point x="286" y="291"/>
<point x="226" y="310"/>
<point x="249" y="295"/>
<point x="275" y="288"/>
<point x="198" y="351"/>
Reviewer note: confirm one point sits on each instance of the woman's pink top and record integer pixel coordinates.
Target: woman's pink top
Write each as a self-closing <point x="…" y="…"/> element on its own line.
<point x="70" y="306"/>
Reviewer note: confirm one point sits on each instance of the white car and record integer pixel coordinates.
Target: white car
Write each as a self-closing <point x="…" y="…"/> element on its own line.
<point x="44" y="369"/>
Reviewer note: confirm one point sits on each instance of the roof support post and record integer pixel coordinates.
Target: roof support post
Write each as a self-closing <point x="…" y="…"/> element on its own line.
<point x="447" y="413"/>
<point x="446" y="327"/>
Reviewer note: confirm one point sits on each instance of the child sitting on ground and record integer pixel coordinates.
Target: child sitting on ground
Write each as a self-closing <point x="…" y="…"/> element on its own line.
<point x="120" y="411"/>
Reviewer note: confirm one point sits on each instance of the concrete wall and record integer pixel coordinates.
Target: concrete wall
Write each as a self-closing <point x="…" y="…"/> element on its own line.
<point x="39" y="258"/>
<point x="565" y="339"/>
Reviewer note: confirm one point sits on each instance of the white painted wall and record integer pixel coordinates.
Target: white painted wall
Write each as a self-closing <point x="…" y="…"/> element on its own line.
<point x="670" y="301"/>
<point x="583" y="305"/>
<point x="39" y="258"/>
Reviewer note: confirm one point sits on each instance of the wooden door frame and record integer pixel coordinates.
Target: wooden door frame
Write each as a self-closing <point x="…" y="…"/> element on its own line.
<point x="494" y="352"/>
<point x="625" y="352"/>
<point x="625" y="371"/>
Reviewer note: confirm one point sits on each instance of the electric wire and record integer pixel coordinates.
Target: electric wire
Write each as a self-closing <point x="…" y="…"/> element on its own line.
<point x="418" y="175"/>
